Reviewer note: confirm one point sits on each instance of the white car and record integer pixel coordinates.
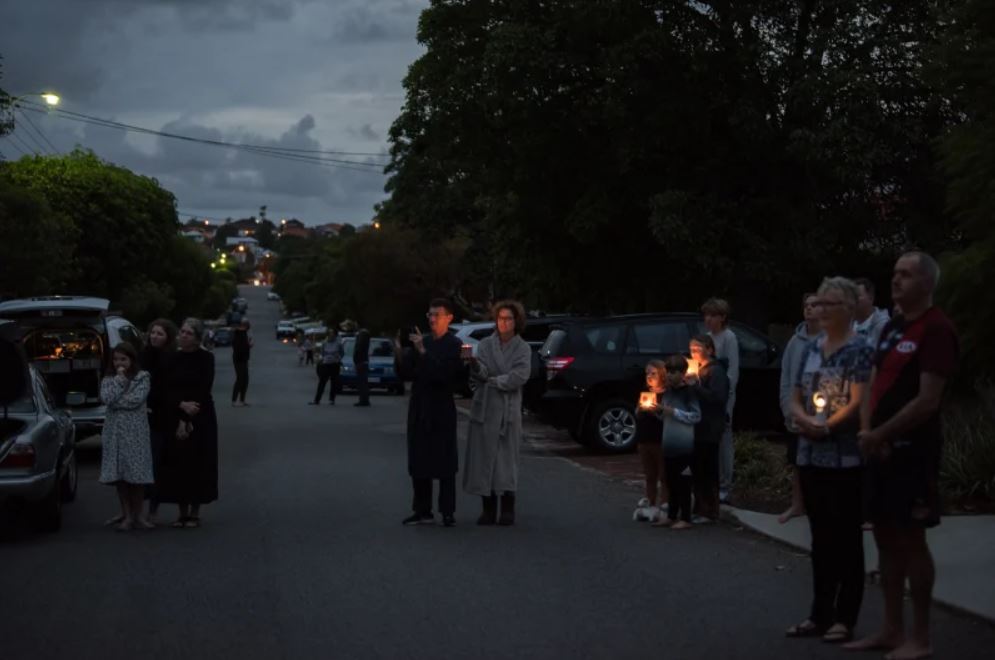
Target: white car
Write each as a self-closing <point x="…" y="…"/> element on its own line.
<point x="272" y="295"/>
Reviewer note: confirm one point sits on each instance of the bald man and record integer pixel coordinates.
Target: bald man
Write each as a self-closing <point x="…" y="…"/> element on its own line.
<point x="901" y="438"/>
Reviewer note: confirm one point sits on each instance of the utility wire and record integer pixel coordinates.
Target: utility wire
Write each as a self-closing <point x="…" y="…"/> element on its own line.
<point x="30" y="139"/>
<point x="283" y="152"/>
<point x="39" y="131"/>
<point x="21" y="145"/>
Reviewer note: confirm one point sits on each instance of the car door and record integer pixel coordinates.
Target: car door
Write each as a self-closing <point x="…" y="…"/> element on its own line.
<point x="652" y="339"/>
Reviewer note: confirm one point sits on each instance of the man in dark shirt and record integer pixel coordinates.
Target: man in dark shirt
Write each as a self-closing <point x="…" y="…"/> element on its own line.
<point x="361" y="360"/>
<point x="901" y="438"/>
<point x="241" y="346"/>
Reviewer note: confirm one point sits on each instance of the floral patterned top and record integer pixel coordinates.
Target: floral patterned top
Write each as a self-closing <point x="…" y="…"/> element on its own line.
<point x="831" y="377"/>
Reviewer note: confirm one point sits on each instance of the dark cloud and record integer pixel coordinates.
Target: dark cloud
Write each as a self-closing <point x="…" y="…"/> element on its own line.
<point x="301" y="74"/>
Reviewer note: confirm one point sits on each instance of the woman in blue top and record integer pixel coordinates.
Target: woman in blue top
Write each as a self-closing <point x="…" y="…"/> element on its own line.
<point x="828" y="389"/>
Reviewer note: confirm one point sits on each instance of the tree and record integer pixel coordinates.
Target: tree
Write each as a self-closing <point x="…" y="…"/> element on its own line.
<point x="963" y="66"/>
<point x="36" y="244"/>
<point x="644" y="155"/>
<point x="6" y="112"/>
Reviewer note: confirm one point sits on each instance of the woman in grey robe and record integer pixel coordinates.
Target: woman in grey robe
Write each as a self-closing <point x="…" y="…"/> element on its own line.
<point x="501" y="368"/>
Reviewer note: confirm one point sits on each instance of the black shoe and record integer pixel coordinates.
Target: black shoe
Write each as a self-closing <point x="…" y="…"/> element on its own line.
<point x="489" y="514"/>
<point x="448" y="520"/>
<point x="419" y="519"/>
<point x="507" y="509"/>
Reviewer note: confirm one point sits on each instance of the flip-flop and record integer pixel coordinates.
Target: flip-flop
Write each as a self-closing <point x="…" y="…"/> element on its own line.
<point x="179" y="523"/>
<point x="839" y="635"/>
<point x="193" y="522"/>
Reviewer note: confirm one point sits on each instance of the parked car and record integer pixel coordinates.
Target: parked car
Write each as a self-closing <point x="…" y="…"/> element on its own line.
<point x="37" y="442"/>
<point x="535" y="334"/>
<point x="285" y="330"/>
<point x="68" y="340"/>
<point x="382" y="373"/>
<point x="595" y="371"/>
<point x="240" y="305"/>
<point x="273" y="295"/>
<point x="223" y="336"/>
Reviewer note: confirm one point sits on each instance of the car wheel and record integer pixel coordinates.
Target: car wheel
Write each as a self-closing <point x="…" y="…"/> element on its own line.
<point x="70" y="481"/>
<point x="48" y="512"/>
<point x="612" y="426"/>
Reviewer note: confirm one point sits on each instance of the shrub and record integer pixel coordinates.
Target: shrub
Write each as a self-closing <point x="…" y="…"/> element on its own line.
<point x="967" y="473"/>
<point x="762" y="479"/>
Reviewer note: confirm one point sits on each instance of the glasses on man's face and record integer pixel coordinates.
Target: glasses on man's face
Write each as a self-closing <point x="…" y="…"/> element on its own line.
<point x="433" y="315"/>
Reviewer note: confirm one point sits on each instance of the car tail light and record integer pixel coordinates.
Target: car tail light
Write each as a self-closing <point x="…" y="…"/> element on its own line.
<point x="555" y="365"/>
<point x="21" y="455"/>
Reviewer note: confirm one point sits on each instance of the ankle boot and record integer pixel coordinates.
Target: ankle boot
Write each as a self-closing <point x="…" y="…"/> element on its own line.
<point x="507" y="509"/>
<point x="489" y="515"/>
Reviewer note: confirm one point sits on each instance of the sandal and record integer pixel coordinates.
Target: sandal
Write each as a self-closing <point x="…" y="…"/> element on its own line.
<point x="114" y="521"/>
<point x="805" y="629"/>
<point x="123" y="526"/>
<point x="179" y="523"/>
<point x="838" y="634"/>
<point x="145" y="523"/>
<point x="193" y="522"/>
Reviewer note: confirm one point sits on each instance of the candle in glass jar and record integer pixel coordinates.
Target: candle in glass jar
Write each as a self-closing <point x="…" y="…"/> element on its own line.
<point x="819" y="401"/>
<point x="466" y="351"/>
<point x="693" y="367"/>
<point x="647" y="399"/>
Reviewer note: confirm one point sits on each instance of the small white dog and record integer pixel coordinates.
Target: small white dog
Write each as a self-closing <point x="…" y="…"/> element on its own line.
<point x="646" y="513"/>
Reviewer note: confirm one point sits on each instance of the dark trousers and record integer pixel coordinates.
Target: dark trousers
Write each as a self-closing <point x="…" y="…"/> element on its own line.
<point x="423" y="495"/>
<point x="362" y="381"/>
<point x="326" y="373"/>
<point x="241" y="381"/>
<point x="706" y="479"/>
<point x="308" y="357"/>
<point x="679" y="486"/>
<point x="833" y="502"/>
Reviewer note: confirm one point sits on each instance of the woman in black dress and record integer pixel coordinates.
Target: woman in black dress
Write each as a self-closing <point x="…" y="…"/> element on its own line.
<point x="189" y="474"/>
<point x="160" y="344"/>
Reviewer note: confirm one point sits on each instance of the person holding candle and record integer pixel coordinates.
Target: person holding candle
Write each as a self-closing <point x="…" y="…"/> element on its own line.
<point x="649" y="436"/>
<point x="831" y="380"/>
<point x="711" y="385"/>
<point x="805" y="334"/>
<point x="681" y="412"/>
<point x="716" y="312"/>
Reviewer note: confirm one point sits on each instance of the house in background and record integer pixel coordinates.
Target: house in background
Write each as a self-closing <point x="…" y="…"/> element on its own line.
<point x="294" y="227"/>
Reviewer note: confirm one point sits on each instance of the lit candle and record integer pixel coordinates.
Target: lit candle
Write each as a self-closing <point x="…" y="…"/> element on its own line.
<point x="693" y="367"/>
<point x="819" y="401"/>
<point x="466" y="351"/>
<point x="647" y="399"/>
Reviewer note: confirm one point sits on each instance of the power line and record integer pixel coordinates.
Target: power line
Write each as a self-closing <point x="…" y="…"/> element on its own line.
<point x="38" y="131"/>
<point x="276" y="152"/>
<point x="30" y="139"/>
<point x="21" y="145"/>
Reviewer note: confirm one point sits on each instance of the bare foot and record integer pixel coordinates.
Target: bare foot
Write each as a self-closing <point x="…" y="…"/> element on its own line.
<point x="145" y="523"/>
<point x="910" y="650"/>
<point x="795" y="511"/>
<point x="877" y="642"/>
<point x="681" y="524"/>
<point x="113" y="521"/>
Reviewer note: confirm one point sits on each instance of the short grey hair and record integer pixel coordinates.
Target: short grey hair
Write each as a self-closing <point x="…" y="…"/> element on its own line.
<point x="196" y="325"/>
<point x="844" y="285"/>
<point x="927" y="266"/>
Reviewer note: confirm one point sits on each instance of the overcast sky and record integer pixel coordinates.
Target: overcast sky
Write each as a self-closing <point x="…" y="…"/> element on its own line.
<point x="307" y="74"/>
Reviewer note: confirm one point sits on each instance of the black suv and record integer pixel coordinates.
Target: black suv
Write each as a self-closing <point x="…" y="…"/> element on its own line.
<point x="595" y="369"/>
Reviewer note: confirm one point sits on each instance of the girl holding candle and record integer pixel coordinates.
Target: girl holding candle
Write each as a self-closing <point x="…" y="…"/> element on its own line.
<point x="826" y="399"/>
<point x="711" y="385"/>
<point x="649" y="432"/>
<point x="681" y="412"/>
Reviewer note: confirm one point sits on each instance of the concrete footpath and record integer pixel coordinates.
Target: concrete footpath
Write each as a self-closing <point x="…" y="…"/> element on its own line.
<point x="963" y="549"/>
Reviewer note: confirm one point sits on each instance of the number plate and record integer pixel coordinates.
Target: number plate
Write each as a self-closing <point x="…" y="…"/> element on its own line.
<point x="373" y="379"/>
<point x="52" y="366"/>
<point x="82" y="365"/>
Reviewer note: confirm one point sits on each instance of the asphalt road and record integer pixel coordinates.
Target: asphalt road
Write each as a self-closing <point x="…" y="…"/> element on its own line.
<point x="304" y="557"/>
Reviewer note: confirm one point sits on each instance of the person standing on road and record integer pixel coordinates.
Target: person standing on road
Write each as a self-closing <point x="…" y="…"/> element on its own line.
<point x="433" y="365"/>
<point x="308" y="350"/>
<point x="161" y="343"/>
<point x="681" y="412"/>
<point x="241" y="346"/>
<point x="711" y="386"/>
<point x="868" y="320"/>
<point x="806" y="332"/>
<point x="901" y="436"/>
<point x="190" y="458"/>
<point x="501" y="368"/>
<point x="835" y="369"/>
<point x="716" y="313"/>
<point x="361" y="360"/>
<point x="649" y="435"/>
<point x="329" y="366"/>
<point x="126" y="448"/>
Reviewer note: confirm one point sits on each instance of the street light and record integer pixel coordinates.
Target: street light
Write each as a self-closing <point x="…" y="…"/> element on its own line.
<point x="50" y="98"/>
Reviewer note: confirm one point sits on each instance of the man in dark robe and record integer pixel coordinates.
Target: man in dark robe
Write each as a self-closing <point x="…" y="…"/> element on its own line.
<point x="433" y="364"/>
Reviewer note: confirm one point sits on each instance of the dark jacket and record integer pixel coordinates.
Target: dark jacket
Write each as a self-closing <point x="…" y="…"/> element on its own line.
<point x="432" y="452"/>
<point x="361" y="349"/>
<point x="713" y="394"/>
<point x="240" y="346"/>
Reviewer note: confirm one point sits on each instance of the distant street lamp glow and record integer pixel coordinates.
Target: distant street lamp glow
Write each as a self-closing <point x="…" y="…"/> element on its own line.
<point x="50" y="98"/>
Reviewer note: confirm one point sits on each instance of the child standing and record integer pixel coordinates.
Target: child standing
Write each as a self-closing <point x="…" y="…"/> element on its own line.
<point x="649" y="432"/>
<point x="681" y="412"/>
<point x="126" y="460"/>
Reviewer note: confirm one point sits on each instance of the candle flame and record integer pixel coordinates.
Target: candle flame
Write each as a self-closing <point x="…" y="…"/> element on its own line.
<point x="820" y="401"/>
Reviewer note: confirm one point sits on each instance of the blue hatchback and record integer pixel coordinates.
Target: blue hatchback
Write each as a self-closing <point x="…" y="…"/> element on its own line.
<point x="382" y="373"/>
